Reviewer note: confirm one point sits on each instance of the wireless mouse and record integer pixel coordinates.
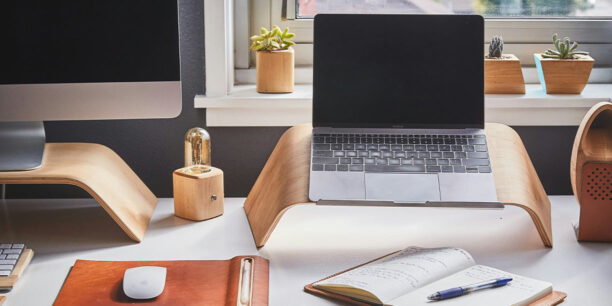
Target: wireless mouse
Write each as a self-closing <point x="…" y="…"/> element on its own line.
<point x="144" y="282"/>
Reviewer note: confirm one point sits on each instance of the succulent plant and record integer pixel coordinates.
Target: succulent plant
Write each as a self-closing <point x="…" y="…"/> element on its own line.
<point x="496" y="47"/>
<point x="272" y="40"/>
<point x="564" y="49"/>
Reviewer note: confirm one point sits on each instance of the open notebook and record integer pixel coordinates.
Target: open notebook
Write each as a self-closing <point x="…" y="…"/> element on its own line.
<point x="407" y="277"/>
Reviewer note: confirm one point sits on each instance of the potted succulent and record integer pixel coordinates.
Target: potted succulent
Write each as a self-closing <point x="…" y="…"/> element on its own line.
<point x="564" y="70"/>
<point x="503" y="74"/>
<point x="274" y="59"/>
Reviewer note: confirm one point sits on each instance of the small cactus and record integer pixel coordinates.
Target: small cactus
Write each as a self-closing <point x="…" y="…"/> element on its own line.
<point x="496" y="47"/>
<point x="272" y="40"/>
<point x="564" y="49"/>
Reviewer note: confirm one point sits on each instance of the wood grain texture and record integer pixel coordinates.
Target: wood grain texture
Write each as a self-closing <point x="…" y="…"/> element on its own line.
<point x="275" y="72"/>
<point x="565" y="76"/>
<point x="188" y="282"/>
<point x="198" y="196"/>
<point x="2" y="299"/>
<point x="103" y="174"/>
<point x="8" y="282"/>
<point x="504" y="75"/>
<point x="593" y="144"/>
<point x="284" y="180"/>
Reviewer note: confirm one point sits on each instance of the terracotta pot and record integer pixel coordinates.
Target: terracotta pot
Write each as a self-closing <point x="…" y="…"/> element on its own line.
<point x="504" y="75"/>
<point x="275" y="71"/>
<point x="564" y="76"/>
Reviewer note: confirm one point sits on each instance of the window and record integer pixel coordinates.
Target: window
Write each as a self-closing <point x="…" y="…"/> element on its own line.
<point x="526" y="26"/>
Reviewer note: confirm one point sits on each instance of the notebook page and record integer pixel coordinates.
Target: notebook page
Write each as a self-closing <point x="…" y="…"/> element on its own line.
<point x="520" y="291"/>
<point x="400" y="273"/>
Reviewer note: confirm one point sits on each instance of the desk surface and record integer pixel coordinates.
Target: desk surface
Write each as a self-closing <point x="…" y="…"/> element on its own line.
<point x="309" y="243"/>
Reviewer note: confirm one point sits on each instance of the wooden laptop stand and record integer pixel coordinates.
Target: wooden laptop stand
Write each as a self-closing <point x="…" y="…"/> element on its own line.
<point x="103" y="174"/>
<point x="284" y="180"/>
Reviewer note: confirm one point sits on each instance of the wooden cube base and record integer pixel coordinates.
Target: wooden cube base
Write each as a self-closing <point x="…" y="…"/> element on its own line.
<point x="198" y="197"/>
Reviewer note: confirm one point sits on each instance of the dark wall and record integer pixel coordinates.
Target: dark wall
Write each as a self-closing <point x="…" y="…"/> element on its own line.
<point x="153" y="148"/>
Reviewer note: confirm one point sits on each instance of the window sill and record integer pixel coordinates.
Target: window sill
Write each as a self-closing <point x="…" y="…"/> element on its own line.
<point x="245" y="107"/>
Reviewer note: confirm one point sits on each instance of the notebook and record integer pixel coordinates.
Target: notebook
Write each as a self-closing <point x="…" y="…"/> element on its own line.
<point x="188" y="282"/>
<point x="407" y="277"/>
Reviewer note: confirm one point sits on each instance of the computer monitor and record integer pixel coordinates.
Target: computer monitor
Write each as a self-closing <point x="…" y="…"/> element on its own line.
<point x="83" y="60"/>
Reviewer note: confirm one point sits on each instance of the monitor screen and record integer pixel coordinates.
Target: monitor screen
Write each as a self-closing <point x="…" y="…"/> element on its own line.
<point x="88" y="41"/>
<point x="98" y="59"/>
<point x="398" y="71"/>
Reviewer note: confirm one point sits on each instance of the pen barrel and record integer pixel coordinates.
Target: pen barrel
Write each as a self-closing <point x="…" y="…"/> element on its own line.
<point x="450" y="293"/>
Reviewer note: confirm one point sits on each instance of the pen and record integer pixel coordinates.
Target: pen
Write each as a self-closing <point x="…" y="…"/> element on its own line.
<point x="458" y="291"/>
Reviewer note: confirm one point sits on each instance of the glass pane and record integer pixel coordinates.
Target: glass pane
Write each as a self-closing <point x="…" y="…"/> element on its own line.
<point x="489" y="8"/>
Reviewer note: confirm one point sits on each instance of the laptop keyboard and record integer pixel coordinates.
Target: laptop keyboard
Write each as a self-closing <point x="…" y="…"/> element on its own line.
<point x="400" y="153"/>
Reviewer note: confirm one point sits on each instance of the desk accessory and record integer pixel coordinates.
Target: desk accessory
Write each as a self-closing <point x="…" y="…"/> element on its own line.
<point x="564" y="70"/>
<point x="459" y="291"/>
<point x="274" y="59"/>
<point x="417" y="272"/>
<point x="143" y="283"/>
<point x="590" y="172"/>
<point x="198" y="194"/>
<point x="197" y="147"/>
<point x="188" y="282"/>
<point x="283" y="182"/>
<point x="503" y="73"/>
<point x="14" y="258"/>
<point x="103" y="174"/>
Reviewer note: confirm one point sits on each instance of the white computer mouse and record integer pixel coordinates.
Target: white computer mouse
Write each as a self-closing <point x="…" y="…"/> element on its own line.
<point x="144" y="282"/>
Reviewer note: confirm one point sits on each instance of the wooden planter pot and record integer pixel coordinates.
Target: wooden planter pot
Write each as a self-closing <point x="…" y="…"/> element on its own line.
<point x="275" y="71"/>
<point x="591" y="174"/>
<point x="564" y="76"/>
<point x="504" y="75"/>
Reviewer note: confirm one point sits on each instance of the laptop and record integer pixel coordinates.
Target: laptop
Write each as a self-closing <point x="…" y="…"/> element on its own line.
<point x="398" y="111"/>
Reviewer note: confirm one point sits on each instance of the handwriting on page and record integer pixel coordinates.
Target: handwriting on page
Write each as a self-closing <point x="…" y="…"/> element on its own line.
<point x="402" y="272"/>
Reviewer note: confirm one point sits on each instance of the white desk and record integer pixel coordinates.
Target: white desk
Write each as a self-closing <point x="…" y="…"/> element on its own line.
<point x="309" y="243"/>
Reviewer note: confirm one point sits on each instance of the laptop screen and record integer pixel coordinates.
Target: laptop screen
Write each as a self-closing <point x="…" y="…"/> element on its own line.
<point x="398" y="71"/>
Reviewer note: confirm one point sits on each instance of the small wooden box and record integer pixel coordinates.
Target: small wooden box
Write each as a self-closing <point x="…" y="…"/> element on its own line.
<point x="198" y="196"/>
<point x="596" y="203"/>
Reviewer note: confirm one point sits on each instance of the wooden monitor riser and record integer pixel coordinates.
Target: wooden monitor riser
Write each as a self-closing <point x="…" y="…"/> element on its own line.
<point x="284" y="180"/>
<point x="103" y="174"/>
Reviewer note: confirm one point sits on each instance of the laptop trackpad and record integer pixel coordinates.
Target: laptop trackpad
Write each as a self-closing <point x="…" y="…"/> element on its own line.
<point x="402" y="187"/>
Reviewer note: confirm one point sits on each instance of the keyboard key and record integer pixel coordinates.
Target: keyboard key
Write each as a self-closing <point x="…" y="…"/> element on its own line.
<point x="6" y="267"/>
<point x="468" y="148"/>
<point x="390" y="140"/>
<point x="342" y="140"/>
<point x="342" y="167"/>
<point x="484" y="169"/>
<point x="424" y="155"/>
<point x="430" y="161"/>
<point x="387" y="154"/>
<point x="461" y="141"/>
<point x="318" y="139"/>
<point x="354" y="140"/>
<point x="394" y="161"/>
<point x="455" y="162"/>
<point x="411" y="154"/>
<point x="360" y="146"/>
<point x="396" y="148"/>
<point x="400" y="154"/>
<point x="460" y="155"/>
<point x="476" y="141"/>
<point x="321" y="146"/>
<point x="426" y="140"/>
<point x="445" y="148"/>
<point x="324" y="160"/>
<point x="373" y="147"/>
<point x="356" y="167"/>
<point x="478" y="155"/>
<point x="408" y="147"/>
<point x="8" y="262"/>
<point x="406" y="161"/>
<point x="436" y="154"/>
<point x="449" y="141"/>
<point x="443" y="162"/>
<point x="374" y="154"/>
<point x="438" y="141"/>
<point x="458" y="169"/>
<point x="336" y="146"/>
<point x="357" y="160"/>
<point x="351" y="154"/>
<point x="12" y="256"/>
<point x="348" y="146"/>
<point x="420" y="148"/>
<point x="338" y="153"/>
<point x="345" y="160"/>
<point x="330" y="140"/>
<point x="479" y="136"/>
<point x="369" y="160"/>
<point x="330" y="167"/>
<point x="402" y="168"/>
<point x="447" y="169"/>
<point x="471" y="170"/>
<point x="317" y="167"/>
<point x="418" y="161"/>
<point x="384" y="147"/>
<point x="448" y="155"/>
<point x="432" y="147"/>
<point x="481" y="148"/>
<point x="434" y="169"/>
<point x="323" y="153"/>
<point x="381" y="161"/>
<point x="363" y="153"/>
<point x="476" y="162"/>
<point x="5" y="246"/>
<point x="5" y="273"/>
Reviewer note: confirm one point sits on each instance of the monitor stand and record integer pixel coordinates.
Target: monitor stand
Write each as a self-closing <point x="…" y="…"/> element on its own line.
<point x="21" y="145"/>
